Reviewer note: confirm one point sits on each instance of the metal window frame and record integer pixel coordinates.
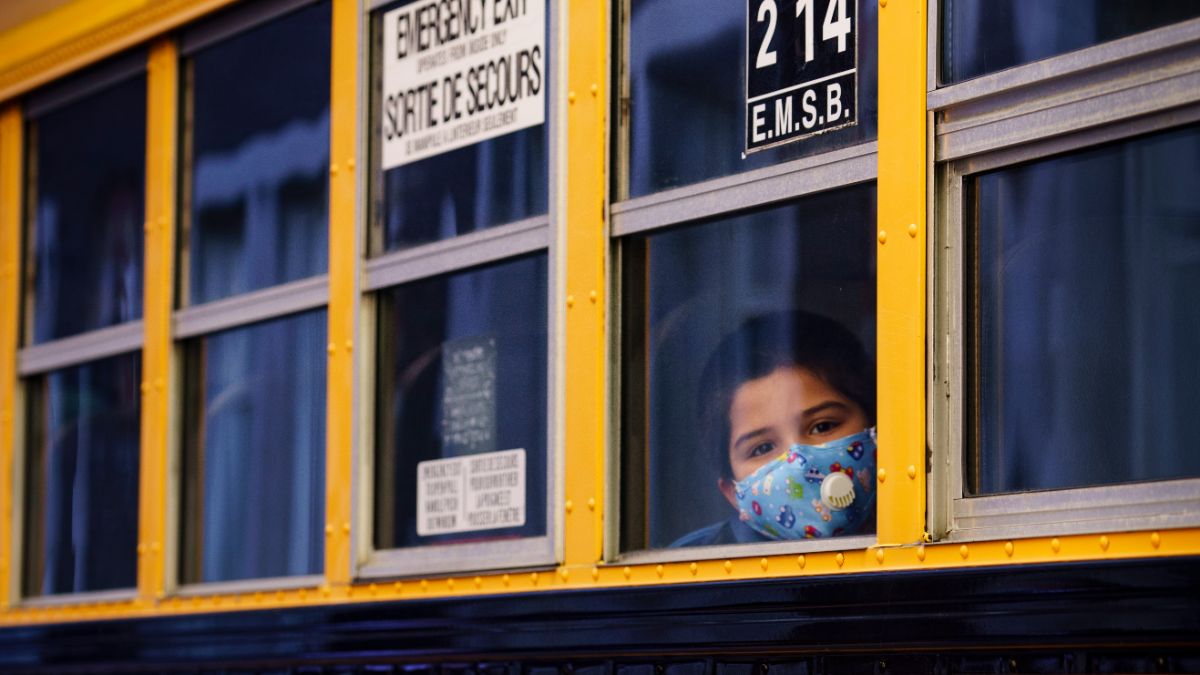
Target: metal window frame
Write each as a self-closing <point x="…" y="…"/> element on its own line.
<point x="721" y="197"/>
<point x="495" y="244"/>
<point x="1109" y="92"/>
<point x="191" y="323"/>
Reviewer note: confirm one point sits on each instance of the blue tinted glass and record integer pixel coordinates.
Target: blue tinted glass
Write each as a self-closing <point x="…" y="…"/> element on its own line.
<point x="489" y="183"/>
<point x="81" y="532"/>
<point x="983" y="36"/>
<point x="462" y="371"/>
<point x="255" y="497"/>
<point x="1088" y="285"/>
<point x="88" y="191"/>
<point x="260" y="145"/>
<point x="701" y="284"/>
<point x="687" y="79"/>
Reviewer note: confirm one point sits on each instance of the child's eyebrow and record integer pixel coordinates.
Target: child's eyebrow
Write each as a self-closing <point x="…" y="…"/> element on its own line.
<point x="750" y="435"/>
<point x="822" y="407"/>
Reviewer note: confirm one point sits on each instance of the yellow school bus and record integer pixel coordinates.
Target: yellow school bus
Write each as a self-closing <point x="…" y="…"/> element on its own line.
<point x="613" y="338"/>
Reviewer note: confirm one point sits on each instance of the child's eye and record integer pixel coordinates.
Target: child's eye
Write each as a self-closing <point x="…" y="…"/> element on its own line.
<point x="824" y="427"/>
<point x="762" y="449"/>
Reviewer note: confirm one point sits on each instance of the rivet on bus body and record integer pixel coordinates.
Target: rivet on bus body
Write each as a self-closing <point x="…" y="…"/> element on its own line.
<point x="450" y="583"/>
<point x="1008" y="548"/>
<point x="533" y="578"/>
<point x="595" y="89"/>
<point x="840" y="559"/>
<point x="921" y="553"/>
<point x="912" y="472"/>
<point x="145" y="387"/>
<point x="728" y="566"/>
<point x="569" y="506"/>
<point x="963" y="551"/>
<point x="882" y="473"/>
<point x="333" y="169"/>
<point x="693" y="568"/>
<point x="593" y="296"/>
<point x="141" y="549"/>
<point x="398" y="587"/>
<point x="154" y="547"/>
<point x="1155" y="539"/>
<point x="570" y="301"/>
<point x="801" y="561"/>
<point x="763" y="563"/>
<point x="591" y="504"/>
<point x="346" y="528"/>
<point x="627" y="572"/>
<point x="424" y="585"/>
<point x="1055" y="545"/>
<point x="1103" y="542"/>
<point x="505" y="579"/>
<point x="258" y="597"/>
<point x="595" y="573"/>
<point x="350" y="164"/>
<point x="883" y="3"/>
<point x="331" y="348"/>
<point x="883" y="236"/>
<point x="659" y="571"/>
<point x="912" y="230"/>
<point x="349" y="345"/>
<point x="329" y="530"/>
<point x="879" y="555"/>
<point x="564" y="573"/>
<point x="478" y="582"/>
<point x="158" y="384"/>
<point x="571" y="97"/>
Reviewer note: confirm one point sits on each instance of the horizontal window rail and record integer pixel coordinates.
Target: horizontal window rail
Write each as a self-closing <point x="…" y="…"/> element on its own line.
<point x="469" y="250"/>
<point x="747" y="190"/>
<point x="276" y="301"/>
<point x="77" y="349"/>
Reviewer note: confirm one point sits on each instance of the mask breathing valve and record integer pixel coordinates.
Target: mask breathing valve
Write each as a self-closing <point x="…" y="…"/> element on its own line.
<point x="837" y="491"/>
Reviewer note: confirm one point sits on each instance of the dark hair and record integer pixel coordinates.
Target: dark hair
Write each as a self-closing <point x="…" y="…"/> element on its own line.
<point x="765" y="343"/>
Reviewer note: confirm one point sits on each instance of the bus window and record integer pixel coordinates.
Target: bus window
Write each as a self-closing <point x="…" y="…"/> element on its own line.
<point x="85" y="193"/>
<point x="1088" y="279"/>
<point x="252" y="325"/>
<point x="687" y="88"/>
<point x="748" y="391"/>
<point x="980" y="37"/>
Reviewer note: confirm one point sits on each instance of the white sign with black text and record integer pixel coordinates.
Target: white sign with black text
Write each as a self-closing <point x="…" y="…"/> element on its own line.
<point x="801" y="69"/>
<point x="457" y="72"/>
<point x="471" y="493"/>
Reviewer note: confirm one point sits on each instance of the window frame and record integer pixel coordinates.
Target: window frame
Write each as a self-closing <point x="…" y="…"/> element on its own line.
<point x="495" y="244"/>
<point x="689" y="205"/>
<point x="1108" y="92"/>
<point x="194" y="321"/>
<point x="36" y="360"/>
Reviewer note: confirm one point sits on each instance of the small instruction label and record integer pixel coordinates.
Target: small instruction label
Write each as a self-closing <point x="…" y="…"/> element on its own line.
<point x="466" y="494"/>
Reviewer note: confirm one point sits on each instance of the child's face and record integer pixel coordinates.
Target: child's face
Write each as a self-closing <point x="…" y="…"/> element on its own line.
<point x="791" y="405"/>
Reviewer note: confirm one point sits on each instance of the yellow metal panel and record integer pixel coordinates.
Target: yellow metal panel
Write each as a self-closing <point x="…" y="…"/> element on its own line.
<point x="162" y="96"/>
<point x="84" y="32"/>
<point x="901" y="283"/>
<point x="1088" y="547"/>
<point x="584" y="246"/>
<point x="343" y="289"/>
<point x="10" y="294"/>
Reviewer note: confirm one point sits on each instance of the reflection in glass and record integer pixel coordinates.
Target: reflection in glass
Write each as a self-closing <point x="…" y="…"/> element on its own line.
<point x="1088" y="288"/>
<point x="255" y="451"/>
<point x="688" y="289"/>
<point x="490" y="183"/>
<point x="981" y="37"/>
<point x="260" y="146"/>
<point x="494" y="319"/>
<point x="687" y="71"/>
<point x="81" y="524"/>
<point x="87" y="192"/>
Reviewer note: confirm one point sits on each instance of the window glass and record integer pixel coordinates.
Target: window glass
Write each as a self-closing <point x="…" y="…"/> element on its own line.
<point x="254" y="501"/>
<point x="756" y="333"/>
<point x="82" y="506"/>
<point x="86" y="202"/>
<point x="462" y="376"/>
<point x="258" y="202"/>
<point x="484" y="184"/>
<point x="1088" y="280"/>
<point x="981" y="36"/>
<point x="687" y="80"/>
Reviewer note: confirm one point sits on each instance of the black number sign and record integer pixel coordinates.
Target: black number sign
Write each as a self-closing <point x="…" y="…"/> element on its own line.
<point x="801" y="69"/>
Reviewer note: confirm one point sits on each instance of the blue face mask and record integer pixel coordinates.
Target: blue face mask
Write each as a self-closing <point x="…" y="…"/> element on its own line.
<point x="812" y="490"/>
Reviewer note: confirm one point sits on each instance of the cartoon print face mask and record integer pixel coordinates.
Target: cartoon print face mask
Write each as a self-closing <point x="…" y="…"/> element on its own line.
<point x="812" y="490"/>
